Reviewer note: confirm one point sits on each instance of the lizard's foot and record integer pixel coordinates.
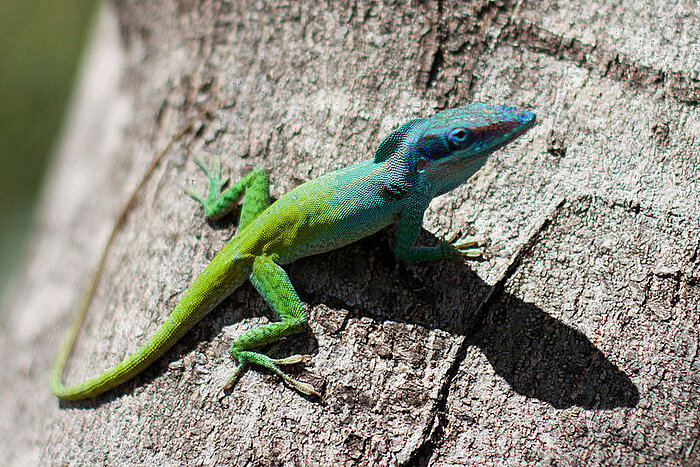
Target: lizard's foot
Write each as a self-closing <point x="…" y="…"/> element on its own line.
<point x="210" y="203"/>
<point x="246" y="356"/>
<point x="470" y="248"/>
<point x="219" y="202"/>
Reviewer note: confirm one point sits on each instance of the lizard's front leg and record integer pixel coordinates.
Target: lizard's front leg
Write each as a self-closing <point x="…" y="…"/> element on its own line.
<point x="410" y="223"/>
<point x="255" y="187"/>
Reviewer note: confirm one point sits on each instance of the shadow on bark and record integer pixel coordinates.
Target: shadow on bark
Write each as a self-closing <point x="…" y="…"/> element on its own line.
<point x="538" y="355"/>
<point x="544" y="358"/>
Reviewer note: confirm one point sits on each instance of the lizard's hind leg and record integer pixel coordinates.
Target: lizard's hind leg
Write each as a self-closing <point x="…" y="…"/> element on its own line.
<point x="272" y="282"/>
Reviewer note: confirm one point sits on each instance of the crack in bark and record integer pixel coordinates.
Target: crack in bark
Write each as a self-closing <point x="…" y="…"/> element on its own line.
<point x="438" y="61"/>
<point x="432" y="434"/>
<point x="681" y="86"/>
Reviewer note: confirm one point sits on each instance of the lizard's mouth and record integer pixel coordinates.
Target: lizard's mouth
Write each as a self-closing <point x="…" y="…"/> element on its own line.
<point x="498" y="134"/>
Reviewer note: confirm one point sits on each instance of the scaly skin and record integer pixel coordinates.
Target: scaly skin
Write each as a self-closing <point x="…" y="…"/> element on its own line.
<point x="422" y="159"/>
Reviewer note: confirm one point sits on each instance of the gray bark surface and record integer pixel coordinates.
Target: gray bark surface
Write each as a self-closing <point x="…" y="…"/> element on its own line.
<point x="576" y="342"/>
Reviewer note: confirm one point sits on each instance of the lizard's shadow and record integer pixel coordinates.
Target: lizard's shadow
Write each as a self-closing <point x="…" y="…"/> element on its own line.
<point x="538" y="355"/>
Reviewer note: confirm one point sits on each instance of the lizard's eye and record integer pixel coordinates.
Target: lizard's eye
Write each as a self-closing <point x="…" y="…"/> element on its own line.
<point x="458" y="137"/>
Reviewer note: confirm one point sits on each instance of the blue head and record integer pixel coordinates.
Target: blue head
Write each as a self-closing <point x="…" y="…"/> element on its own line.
<point x="445" y="150"/>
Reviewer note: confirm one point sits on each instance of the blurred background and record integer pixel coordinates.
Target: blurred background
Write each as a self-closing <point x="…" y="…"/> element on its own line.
<point x="40" y="47"/>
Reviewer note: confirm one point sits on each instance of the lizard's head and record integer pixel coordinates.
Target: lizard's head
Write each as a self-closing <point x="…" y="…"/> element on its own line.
<point x="448" y="148"/>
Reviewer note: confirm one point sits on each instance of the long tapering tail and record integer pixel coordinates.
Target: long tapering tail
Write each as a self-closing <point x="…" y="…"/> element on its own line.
<point x="180" y="320"/>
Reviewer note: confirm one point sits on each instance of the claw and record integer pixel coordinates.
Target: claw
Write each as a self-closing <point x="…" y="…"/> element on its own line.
<point x="194" y="194"/>
<point x="471" y="253"/>
<point x="224" y="182"/>
<point x="304" y="388"/>
<point x="200" y="161"/>
<point x="470" y="242"/>
<point x="230" y="381"/>
<point x="291" y="360"/>
<point x="470" y="248"/>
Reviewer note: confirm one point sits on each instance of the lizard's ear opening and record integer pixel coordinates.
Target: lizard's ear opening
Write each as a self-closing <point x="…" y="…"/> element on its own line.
<point x="393" y="141"/>
<point x="422" y="164"/>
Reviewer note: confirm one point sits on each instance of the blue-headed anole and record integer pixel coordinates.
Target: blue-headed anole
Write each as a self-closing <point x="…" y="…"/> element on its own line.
<point x="422" y="159"/>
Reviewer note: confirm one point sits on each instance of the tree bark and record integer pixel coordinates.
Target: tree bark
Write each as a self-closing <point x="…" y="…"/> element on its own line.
<point x="576" y="342"/>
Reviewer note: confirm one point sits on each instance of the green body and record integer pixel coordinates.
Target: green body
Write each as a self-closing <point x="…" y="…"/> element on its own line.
<point x="422" y="159"/>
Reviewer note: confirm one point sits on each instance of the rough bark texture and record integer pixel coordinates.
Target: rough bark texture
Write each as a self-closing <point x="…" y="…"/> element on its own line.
<point x="575" y="343"/>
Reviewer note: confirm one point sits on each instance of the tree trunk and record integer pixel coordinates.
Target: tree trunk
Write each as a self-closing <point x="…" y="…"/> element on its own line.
<point x="576" y="342"/>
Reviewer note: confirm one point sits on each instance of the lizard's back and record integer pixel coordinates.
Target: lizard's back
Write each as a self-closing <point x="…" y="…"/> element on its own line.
<point x="321" y="215"/>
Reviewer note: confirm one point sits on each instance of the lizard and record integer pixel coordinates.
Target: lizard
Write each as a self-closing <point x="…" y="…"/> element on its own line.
<point x="422" y="159"/>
